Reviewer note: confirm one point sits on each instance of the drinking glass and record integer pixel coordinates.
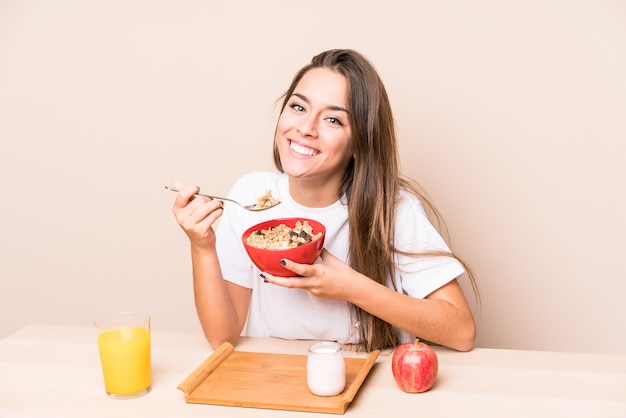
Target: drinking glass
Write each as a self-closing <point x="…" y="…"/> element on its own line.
<point x="124" y="345"/>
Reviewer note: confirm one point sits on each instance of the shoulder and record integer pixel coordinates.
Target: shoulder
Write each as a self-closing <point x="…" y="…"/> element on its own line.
<point x="413" y="226"/>
<point x="409" y="205"/>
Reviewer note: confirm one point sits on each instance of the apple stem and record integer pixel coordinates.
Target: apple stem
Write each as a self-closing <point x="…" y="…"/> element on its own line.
<point x="417" y="342"/>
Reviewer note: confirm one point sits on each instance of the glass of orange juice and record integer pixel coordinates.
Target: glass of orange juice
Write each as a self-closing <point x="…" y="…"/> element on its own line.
<point x="124" y="345"/>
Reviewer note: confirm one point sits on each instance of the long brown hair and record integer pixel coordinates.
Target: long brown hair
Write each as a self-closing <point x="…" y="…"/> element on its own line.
<point x="371" y="183"/>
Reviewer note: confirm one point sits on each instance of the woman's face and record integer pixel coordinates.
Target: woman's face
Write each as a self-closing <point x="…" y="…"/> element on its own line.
<point x="313" y="134"/>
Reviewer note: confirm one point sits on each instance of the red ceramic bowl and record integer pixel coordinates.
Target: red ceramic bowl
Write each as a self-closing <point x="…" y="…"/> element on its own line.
<point x="268" y="260"/>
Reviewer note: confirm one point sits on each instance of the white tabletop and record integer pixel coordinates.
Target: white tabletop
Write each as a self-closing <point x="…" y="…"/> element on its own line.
<point x="54" y="371"/>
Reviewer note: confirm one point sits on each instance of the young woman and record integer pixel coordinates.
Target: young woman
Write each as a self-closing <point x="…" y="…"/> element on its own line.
<point x="383" y="263"/>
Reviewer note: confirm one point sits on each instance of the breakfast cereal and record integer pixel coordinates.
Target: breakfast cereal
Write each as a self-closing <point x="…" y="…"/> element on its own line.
<point x="266" y="201"/>
<point x="282" y="236"/>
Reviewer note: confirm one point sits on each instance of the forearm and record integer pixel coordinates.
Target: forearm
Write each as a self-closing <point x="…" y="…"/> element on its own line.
<point x="443" y="317"/>
<point x="216" y="310"/>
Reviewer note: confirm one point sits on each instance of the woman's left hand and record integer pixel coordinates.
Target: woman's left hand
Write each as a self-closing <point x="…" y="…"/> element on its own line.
<point x="328" y="278"/>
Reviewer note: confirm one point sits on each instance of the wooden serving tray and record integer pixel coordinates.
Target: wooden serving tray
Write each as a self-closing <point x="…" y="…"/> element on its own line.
<point x="269" y="381"/>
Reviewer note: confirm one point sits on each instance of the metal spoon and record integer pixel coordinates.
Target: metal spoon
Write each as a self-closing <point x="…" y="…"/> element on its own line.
<point x="352" y="331"/>
<point x="253" y="208"/>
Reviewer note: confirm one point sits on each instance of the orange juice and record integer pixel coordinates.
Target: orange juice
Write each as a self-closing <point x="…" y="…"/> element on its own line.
<point x="125" y="357"/>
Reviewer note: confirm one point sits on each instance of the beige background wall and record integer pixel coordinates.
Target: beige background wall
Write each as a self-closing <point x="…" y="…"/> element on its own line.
<point x="511" y="114"/>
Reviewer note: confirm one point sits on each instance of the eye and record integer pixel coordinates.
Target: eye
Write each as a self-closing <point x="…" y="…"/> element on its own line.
<point x="334" y="121"/>
<point x="296" y="107"/>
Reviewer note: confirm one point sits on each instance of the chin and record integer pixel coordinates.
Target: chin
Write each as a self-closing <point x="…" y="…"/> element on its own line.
<point x="294" y="173"/>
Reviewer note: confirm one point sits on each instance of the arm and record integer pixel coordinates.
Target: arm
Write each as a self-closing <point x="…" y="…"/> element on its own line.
<point x="443" y="317"/>
<point x="222" y="307"/>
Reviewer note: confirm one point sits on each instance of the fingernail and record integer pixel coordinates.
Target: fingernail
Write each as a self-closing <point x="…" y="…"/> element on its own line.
<point x="283" y="262"/>
<point x="263" y="277"/>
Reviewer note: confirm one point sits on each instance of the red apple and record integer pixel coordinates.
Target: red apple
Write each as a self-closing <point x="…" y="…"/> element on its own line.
<point x="414" y="366"/>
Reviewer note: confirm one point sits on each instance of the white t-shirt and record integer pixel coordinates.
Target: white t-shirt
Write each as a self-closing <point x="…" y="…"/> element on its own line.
<point x="294" y="313"/>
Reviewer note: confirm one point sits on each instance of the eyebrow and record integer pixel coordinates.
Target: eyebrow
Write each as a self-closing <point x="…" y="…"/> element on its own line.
<point x="335" y="108"/>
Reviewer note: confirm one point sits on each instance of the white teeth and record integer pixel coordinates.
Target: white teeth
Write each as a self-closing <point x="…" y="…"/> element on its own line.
<point x="302" y="150"/>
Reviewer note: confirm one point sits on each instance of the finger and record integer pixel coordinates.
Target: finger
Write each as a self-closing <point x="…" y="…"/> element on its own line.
<point x="187" y="193"/>
<point x="302" y="270"/>
<point x="290" y="282"/>
<point x="184" y="189"/>
<point x="201" y="210"/>
<point x="184" y="196"/>
<point x="204" y="226"/>
<point x="299" y="269"/>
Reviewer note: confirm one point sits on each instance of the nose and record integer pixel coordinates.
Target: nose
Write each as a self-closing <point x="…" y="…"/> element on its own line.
<point x="308" y="126"/>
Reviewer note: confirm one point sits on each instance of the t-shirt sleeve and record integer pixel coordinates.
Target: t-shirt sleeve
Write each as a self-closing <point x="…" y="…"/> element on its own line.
<point x="234" y="261"/>
<point x="232" y="255"/>
<point x="418" y="276"/>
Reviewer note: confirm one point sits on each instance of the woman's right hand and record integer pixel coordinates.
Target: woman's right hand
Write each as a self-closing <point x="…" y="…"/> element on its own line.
<point x="196" y="215"/>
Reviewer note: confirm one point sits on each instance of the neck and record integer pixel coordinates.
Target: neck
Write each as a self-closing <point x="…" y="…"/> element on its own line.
<point x="313" y="194"/>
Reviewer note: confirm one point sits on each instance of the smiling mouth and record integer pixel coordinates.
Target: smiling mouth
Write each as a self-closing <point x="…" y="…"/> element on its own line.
<point x="302" y="150"/>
